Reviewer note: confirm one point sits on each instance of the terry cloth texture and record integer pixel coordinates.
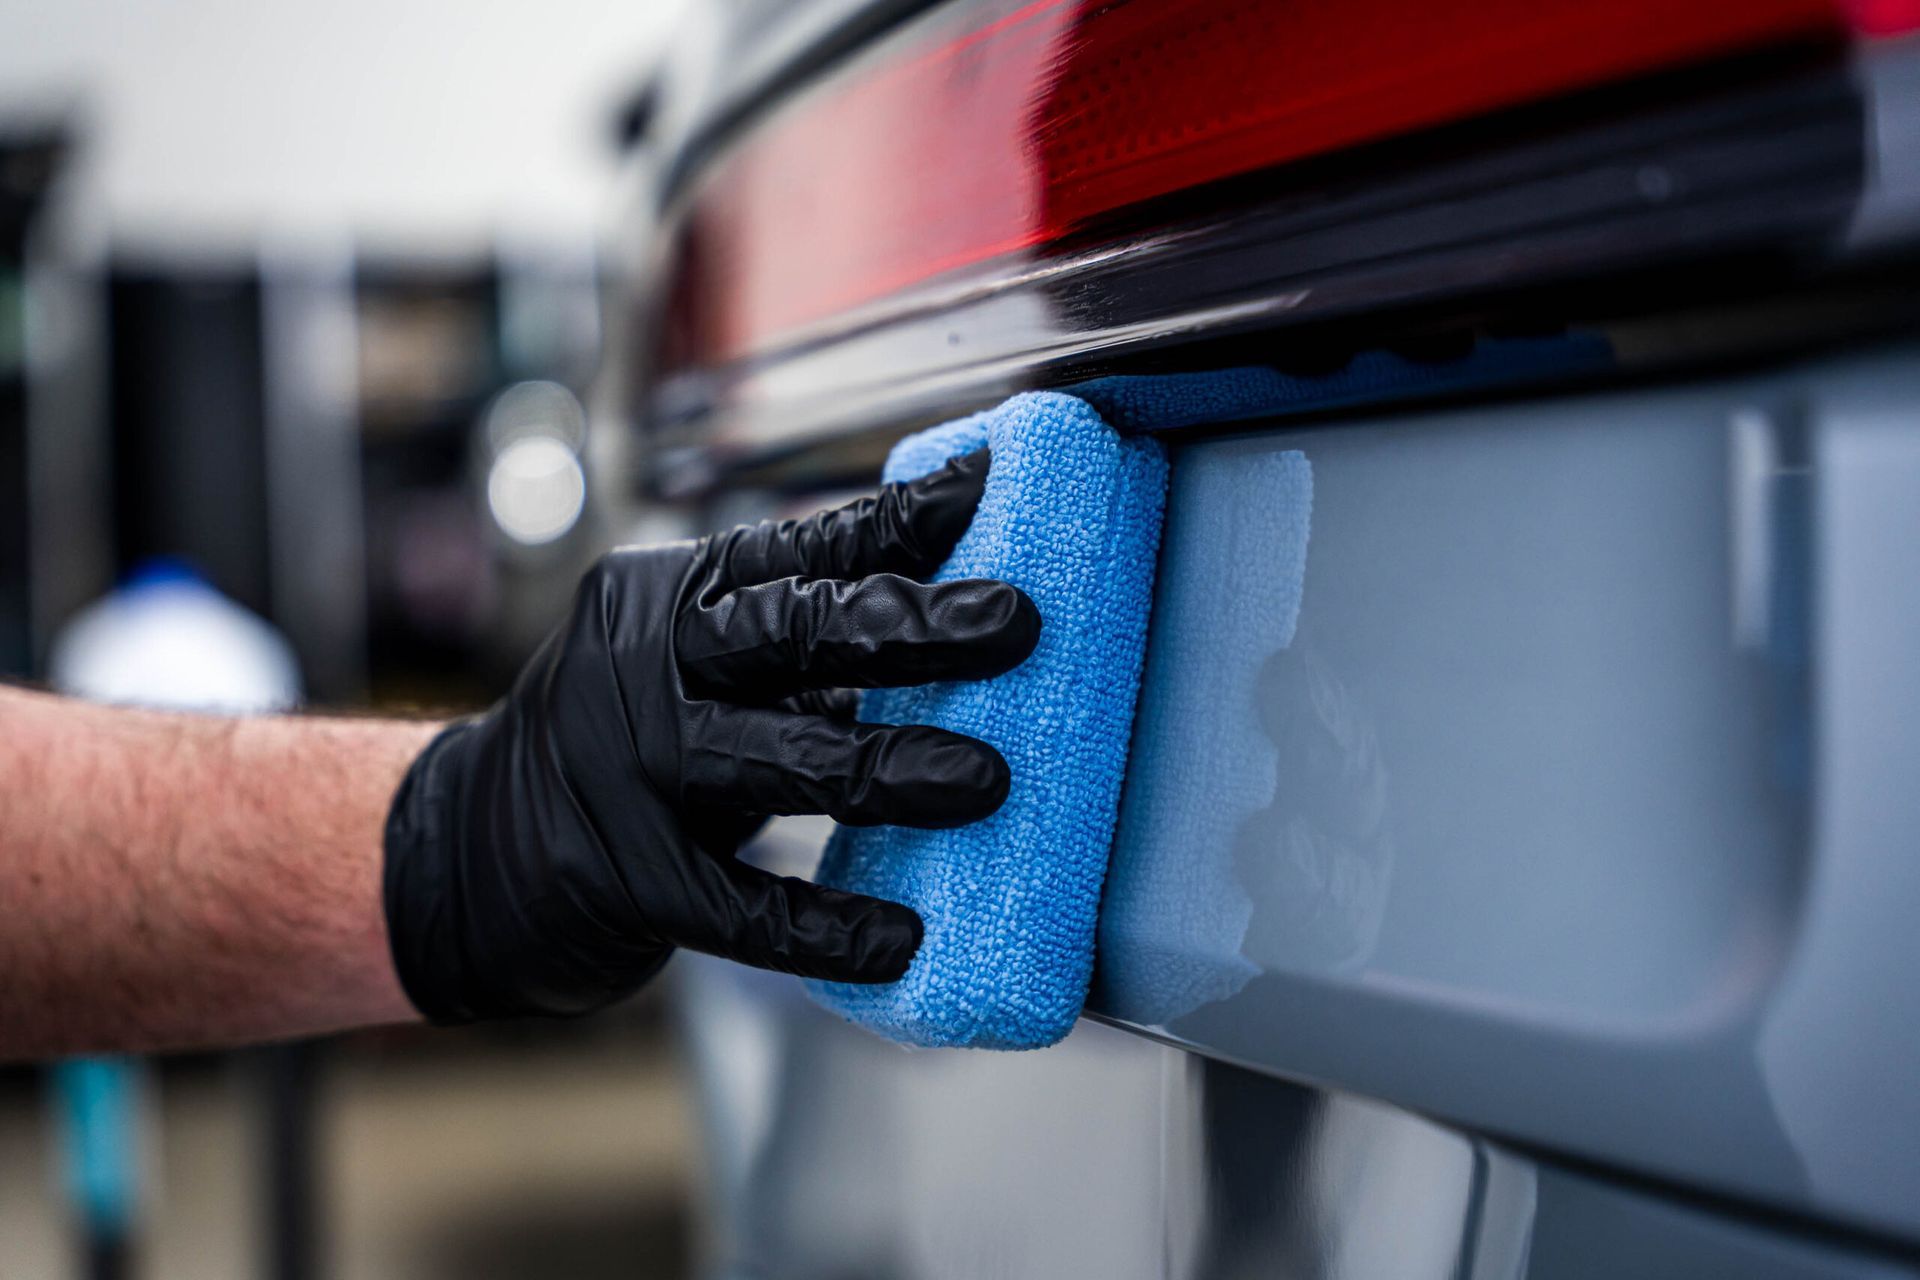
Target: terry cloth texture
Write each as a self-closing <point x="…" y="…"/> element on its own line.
<point x="1071" y="515"/>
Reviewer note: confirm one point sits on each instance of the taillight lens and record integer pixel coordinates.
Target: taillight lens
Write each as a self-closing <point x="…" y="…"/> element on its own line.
<point x="1884" y="17"/>
<point x="947" y="146"/>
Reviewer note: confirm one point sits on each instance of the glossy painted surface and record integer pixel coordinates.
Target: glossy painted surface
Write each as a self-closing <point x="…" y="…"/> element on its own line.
<point x="1114" y="1157"/>
<point x="1575" y="811"/>
<point x="1579" y="807"/>
<point x="1576" y="814"/>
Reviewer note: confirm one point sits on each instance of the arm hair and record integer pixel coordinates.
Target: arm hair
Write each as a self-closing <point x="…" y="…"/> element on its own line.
<point x="169" y="881"/>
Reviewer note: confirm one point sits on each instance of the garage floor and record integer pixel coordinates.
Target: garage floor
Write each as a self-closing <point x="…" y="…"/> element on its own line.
<point x="475" y="1158"/>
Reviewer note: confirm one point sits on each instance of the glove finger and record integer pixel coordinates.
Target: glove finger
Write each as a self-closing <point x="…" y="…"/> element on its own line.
<point x="906" y="528"/>
<point x="775" y="762"/>
<point x="832" y="704"/>
<point x="794" y="926"/>
<point x="720" y="833"/>
<point x="766" y="642"/>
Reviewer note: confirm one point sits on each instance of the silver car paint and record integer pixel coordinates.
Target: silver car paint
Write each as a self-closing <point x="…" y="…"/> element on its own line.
<point x="1578" y="814"/>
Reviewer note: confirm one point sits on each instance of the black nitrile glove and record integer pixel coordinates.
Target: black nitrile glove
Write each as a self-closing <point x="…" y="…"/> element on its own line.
<point x="547" y="856"/>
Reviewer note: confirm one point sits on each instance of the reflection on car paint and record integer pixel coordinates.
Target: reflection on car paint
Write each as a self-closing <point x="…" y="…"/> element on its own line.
<point x="1604" y="709"/>
<point x="1171" y="927"/>
<point x="1528" y="814"/>
<point x="1115" y="1157"/>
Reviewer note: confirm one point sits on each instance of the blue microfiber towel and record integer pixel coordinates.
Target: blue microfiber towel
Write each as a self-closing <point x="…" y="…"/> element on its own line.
<point x="1071" y="515"/>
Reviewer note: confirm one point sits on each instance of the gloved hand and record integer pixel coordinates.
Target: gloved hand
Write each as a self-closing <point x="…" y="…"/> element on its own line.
<point x="548" y="855"/>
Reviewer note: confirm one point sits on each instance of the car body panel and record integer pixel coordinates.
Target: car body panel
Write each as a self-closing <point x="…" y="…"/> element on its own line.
<point x="1117" y="1157"/>
<point x="1573" y="807"/>
<point x="1540" y="905"/>
<point x="1539" y="825"/>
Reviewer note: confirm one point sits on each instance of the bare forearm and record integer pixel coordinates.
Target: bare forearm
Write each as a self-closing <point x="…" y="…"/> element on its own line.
<point x="180" y="880"/>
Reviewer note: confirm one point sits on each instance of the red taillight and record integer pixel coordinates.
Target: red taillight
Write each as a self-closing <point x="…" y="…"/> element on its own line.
<point x="1884" y="17"/>
<point x="942" y="149"/>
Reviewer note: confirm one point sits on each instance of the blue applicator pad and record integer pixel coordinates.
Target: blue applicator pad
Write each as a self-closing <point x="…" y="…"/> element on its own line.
<point x="1071" y="515"/>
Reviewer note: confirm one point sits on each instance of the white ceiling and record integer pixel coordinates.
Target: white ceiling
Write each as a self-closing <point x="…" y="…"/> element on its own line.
<point x="411" y="125"/>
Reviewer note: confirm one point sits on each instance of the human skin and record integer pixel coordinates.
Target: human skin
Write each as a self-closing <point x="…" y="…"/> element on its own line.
<point x="173" y="881"/>
<point x="177" y="881"/>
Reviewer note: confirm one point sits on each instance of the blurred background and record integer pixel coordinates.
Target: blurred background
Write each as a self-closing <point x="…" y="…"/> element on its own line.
<point x="298" y="309"/>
